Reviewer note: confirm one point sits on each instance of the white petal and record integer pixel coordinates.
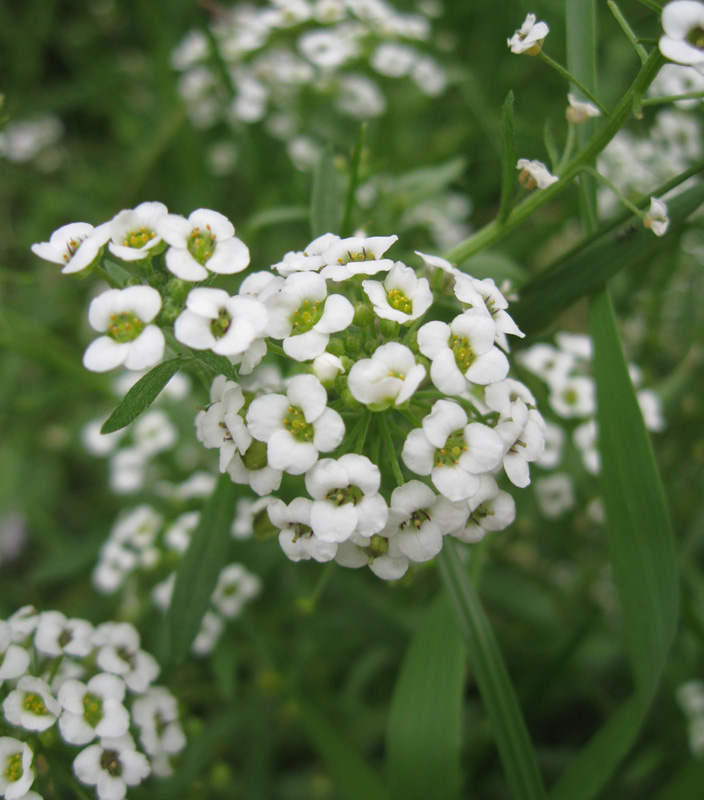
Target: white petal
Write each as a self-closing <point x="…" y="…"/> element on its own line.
<point x="181" y="263"/>
<point x="147" y="349"/>
<point x="105" y="354"/>
<point x="337" y="314"/>
<point x="329" y="431"/>
<point x="454" y="482"/>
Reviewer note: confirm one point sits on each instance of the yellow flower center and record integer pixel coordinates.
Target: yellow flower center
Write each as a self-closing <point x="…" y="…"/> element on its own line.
<point x="138" y="238"/>
<point x="295" y="423"/>
<point x="399" y="301"/>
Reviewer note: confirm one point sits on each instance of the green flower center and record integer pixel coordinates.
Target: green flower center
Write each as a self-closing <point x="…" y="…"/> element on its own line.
<point x="449" y="455"/>
<point x="14" y="771"/>
<point x="35" y="704"/>
<point x="462" y="352"/>
<point x="399" y="301"/>
<point x="255" y="457"/>
<point x="92" y="709"/>
<point x="201" y="244"/>
<point x="124" y="327"/>
<point x="696" y="37"/>
<point x="220" y="326"/>
<point x="479" y="513"/>
<point x="378" y="546"/>
<point x="110" y="762"/>
<point x="346" y="494"/>
<point x="296" y="425"/>
<point x="307" y="316"/>
<point x="570" y="397"/>
<point x="138" y="238"/>
<point x="417" y="518"/>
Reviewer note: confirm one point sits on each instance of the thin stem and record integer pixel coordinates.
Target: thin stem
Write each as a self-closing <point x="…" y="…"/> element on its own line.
<point x="672" y="98"/>
<point x="359" y="446"/>
<point x="626" y="28"/>
<point x="354" y="181"/>
<point x="388" y="443"/>
<point x="569" y="146"/>
<point x="306" y="605"/>
<point x="652" y="5"/>
<point x="582" y="88"/>
<point x="624" y="200"/>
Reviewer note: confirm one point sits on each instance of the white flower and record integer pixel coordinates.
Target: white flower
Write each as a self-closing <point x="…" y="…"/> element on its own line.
<point x="93" y="709"/>
<point x="304" y="316"/>
<point x="161" y="735"/>
<point x="75" y="246"/>
<point x="119" y="653"/>
<point x="578" y="111"/>
<point x="133" y="232"/>
<point x="453" y="452"/>
<point x="547" y="362"/>
<point x="462" y="352"/>
<point x="16" y="774"/>
<point x="435" y="262"/>
<point x="402" y="297"/>
<point x="326" y="368"/>
<point x="389" y="377"/>
<point x="212" y="320"/>
<point x="683" y="23"/>
<point x="357" y="255"/>
<point x="31" y="705"/>
<point x="523" y="441"/>
<point x="555" y="494"/>
<point x="656" y="218"/>
<point x="393" y="59"/>
<point x="56" y="635"/>
<point x="573" y="397"/>
<point x="210" y="629"/>
<point x="296" y="427"/>
<point x="203" y="243"/>
<point x="382" y="555"/>
<point x="486" y="295"/>
<point x="529" y="37"/>
<point x="489" y="510"/>
<point x="14" y="659"/>
<point x="111" y="766"/>
<point x="235" y="587"/>
<point x="534" y="173"/>
<point x="221" y="425"/>
<point x="23" y="623"/>
<point x="651" y="409"/>
<point x="123" y="315"/>
<point x="326" y="48"/>
<point x="554" y="444"/>
<point x="309" y="260"/>
<point x="346" y="498"/>
<point x="297" y="539"/>
<point x="418" y="519"/>
<point x="585" y="438"/>
<point x="154" y="432"/>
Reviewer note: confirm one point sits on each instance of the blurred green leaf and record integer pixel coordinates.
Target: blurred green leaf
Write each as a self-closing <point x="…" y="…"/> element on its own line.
<point x="326" y="199"/>
<point x="276" y="216"/>
<point x="424" y="730"/>
<point x="199" y="569"/>
<point x="419" y="184"/>
<point x="353" y="181"/>
<point x="141" y="395"/>
<point x="508" y="157"/>
<point x="353" y="777"/>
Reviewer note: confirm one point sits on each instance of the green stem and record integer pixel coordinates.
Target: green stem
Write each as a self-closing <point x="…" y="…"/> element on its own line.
<point x="495" y="231"/>
<point x="307" y="604"/>
<point x="672" y="98"/>
<point x="274" y="348"/>
<point x="606" y="182"/>
<point x="652" y="5"/>
<point x="354" y="181"/>
<point x="364" y="427"/>
<point x="569" y="146"/>
<point x="571" y="78"/>
<point x="626" y="28"/>
<point x="388" y="443"/>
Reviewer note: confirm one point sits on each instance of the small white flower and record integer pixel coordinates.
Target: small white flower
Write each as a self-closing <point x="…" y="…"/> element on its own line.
<point x="304" y="316"/>
<point x="154" y="432"/>
<point x="382" y="555"/>
<point x="14" y="659"/>
<point x="119" y="654"/>
<point x="23" y="623"/>
<point x="578" y="111"/>
<point x="203" y="243"/>
<point x="683" y="23"/>
<point x="489" y="510"/>
<point x="235" y="587"/>
<point x="389" y="377"/>
<point x="402" y="297"/>
<point x="573" y="397"/>
<point x="529" y="37"/>
<point x="554" y="444"/>
<point x="210" y="629"/>
<point x="212" y="320"/>
<point x="16" y="774"/>
<point x="297" y="539"/>
<point x="253" y="469"/>
<point x="523" y="442"/>
<point x="123" y="315"/>
<point x="486" y="295"/>
<point x="31" y="705"/>
<point x="656" y="218"/>
<point x="555" y="494"/>
<point x="326" y="368"/>
<point x="56" y="635"/>
<point x="356" y="255"/>
<point x="94" y="709"/>
<point x="133" y="232"/>
<point x="453" y="452"/>
<point x="393" y="59"/>
<point x="111" y="766"/>
<point x="296" y="427"/>
<point x="156" y="715"/>
<point x="221" y="424"/>
<point x="76" y="246"/>
<point x="535" y="173"/>
<point x="346" y="498"/>
<point x="435" y="262"/>
<point x="585" y="438"/>
<point x="463" y="352"/>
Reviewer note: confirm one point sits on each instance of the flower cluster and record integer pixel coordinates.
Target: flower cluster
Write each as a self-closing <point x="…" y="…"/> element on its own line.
<point x="94" y="686"/>
<point x="282" y="55"/>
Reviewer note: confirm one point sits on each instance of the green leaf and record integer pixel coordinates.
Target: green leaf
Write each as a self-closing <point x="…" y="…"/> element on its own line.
<point x="218" y="365"/>
<point x="589" y="267"/>
<point x="427" y="181"/>
<point x="424" y="732"/>
<point x="200" y="567"/>
<point x="353" y="182"/>
<point x="142" y="395"/>
<point x="508" y="157"/>
<point x="326" y="200"/>
<point x="493" y="680"/>
<point x="353" y="777"/>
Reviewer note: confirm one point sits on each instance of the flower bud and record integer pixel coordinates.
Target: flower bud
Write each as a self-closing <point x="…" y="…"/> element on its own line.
<point x="363" y="314"/>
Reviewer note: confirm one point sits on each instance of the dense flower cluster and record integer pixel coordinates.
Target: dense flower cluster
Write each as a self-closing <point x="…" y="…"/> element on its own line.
<point x="94" y="685"/>
<point x="280" y="55"/>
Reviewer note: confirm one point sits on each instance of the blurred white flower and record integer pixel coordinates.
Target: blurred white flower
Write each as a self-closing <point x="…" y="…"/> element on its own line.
<point x="529" y="37"/>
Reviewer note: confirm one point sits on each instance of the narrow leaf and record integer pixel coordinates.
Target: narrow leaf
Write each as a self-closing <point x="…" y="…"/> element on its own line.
<point x="199" y="569"/>
<point x="353" y="777"/>
<point x="218" y="365"/>
<point x="495" y="687"/>
<point x="326" y="199"/>
<point x="354" y="181"/>
<point x="423" y="737"/>
<point x="508" y="157"/>
<point x="141" y="395"/>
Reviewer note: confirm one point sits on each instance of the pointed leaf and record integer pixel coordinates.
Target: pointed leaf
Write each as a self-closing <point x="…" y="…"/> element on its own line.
<point x="218" y="365"/>
<point x="508" y="157"/>
<point x="142" y="395"/>
<point x="326" y="200"/>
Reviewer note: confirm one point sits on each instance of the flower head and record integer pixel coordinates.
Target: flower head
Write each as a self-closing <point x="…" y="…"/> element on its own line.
<point x="76" y="246"/>
<point x="683" y="23"/>
<point x="656" y="218"/>
<point x="535" y="173"/>
<point x="579" y="111"/>
<point x="529" y="37"/>
<point x="133" y="232"/>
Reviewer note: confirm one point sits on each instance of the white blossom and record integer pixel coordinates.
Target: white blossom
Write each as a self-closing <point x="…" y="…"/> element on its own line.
<point x="529" y="37"/>
<point x="56" y="635"/>
<point x="555" y="494"/>
<point x="111" y="766"/>
<point x="523" y="442"/>
<point x="389" y="377"/>
<point x="403" y="297"/>
<point x="683" y="24"/>
<point x="579" y="111"/>
<point x="490" y="509"/>
<point x="356" y="255"/>
<point x="156" y="715"/>
<point x="93" y="710"/>
<point x="119" y="653"/>
<point x="296" y="538"/>
<point x="75" y="245"/>
<point x="656" y="218"/>
<point x="31" y="705"/>
<point x="234" y="589"/>
<point x="16" y="773"/>
<point x="14" y="659"/>
<point x="133" y="232"/>
<point x="535" y="173"/>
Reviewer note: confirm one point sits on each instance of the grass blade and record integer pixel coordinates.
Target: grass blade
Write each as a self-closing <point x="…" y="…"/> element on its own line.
<point x="508" y="157"/>
<point x="326" y="197"/>
<point x="199" y="569"/>
<point x="354" y="181"/>
<point x="493" y="680"/>
<point x="424" y="733"/>
<point x="141" y="395"/>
